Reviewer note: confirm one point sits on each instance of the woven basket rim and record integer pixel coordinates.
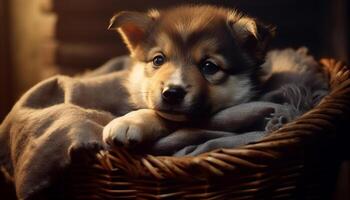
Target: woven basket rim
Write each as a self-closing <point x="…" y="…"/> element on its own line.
<point x="257" y="155"/>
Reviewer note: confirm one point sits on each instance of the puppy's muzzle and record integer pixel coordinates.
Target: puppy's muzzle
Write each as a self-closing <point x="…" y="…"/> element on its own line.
<point x="173" y="94"/>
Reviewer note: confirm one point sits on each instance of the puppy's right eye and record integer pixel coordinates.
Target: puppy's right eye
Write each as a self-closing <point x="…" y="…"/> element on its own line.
<point x="158" y="60"/>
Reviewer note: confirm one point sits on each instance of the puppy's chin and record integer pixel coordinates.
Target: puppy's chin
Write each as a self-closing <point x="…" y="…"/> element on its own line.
<point x="182" y="113"/>
<point x="173" y="117"/>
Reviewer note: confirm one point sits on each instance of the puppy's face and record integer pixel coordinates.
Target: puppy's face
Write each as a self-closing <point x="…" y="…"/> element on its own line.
<point x="191" y="60"/>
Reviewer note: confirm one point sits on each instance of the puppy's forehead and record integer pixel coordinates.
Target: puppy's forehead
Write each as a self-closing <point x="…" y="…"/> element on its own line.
<point x="186" y="29"/>
<point x="187" y="21"/>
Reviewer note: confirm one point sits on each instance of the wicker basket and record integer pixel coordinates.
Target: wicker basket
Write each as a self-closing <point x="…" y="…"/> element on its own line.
<point x="295" y="162"/>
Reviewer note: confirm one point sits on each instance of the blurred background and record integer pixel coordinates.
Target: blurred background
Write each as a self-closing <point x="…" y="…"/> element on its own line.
<point x="40" y="38"/>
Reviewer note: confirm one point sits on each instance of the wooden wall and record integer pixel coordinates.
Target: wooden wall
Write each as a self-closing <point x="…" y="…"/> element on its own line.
<point x="32" y="43"/>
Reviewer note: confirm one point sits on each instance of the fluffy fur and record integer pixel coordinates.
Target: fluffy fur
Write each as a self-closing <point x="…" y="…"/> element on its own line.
<point x="294" y="74"/>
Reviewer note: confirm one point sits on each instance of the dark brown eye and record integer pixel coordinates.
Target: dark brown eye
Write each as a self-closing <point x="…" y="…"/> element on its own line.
<point x="208" y="67"/>
<point x="158" y="60"/>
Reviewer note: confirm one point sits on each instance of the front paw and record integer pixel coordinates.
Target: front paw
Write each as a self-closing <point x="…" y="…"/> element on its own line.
<point x="123" y="132"/>
<point x="135" y="128"/>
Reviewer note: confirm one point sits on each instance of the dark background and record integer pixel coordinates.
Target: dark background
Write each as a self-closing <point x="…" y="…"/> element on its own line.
<point x="40" y="38"/>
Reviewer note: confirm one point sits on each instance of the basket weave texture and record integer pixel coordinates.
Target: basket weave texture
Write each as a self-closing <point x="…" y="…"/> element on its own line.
<point x="293" y="162"/>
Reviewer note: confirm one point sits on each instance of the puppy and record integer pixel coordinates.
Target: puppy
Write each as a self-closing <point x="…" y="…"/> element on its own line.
<point x="189" y="62"/>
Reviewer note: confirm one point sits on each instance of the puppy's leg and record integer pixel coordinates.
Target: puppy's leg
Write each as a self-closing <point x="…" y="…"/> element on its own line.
<point x="138" y="127"/>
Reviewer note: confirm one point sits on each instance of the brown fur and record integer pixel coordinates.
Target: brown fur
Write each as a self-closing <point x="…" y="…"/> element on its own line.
<point x="186" y="36"/>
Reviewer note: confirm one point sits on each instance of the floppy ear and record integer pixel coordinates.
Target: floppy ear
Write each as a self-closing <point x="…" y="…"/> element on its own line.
<point x="253" y="36"/>
<point x="132" y="26"/>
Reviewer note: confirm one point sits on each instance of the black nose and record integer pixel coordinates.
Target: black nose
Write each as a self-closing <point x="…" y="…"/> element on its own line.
<point x="173" y="94"/>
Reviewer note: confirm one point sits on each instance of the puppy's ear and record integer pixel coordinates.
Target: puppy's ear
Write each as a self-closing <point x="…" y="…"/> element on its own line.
<point x="132" y="26"/>
<point x="253" y="36"/>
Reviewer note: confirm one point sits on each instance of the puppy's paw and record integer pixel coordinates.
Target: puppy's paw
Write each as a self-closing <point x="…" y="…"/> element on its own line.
<point x="133" y="129"/>
<point x="123" y="132"/>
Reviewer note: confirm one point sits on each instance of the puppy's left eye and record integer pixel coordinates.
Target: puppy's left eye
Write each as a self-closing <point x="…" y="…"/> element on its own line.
<point x="208" y="67"/>
<point x="158" y="60"/>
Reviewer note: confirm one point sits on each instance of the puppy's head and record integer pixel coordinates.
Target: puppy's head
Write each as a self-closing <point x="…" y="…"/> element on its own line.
<point x="192" y="59"/>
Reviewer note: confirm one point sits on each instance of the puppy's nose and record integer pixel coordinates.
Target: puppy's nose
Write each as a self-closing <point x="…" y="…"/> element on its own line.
<point x="173" y="94"/>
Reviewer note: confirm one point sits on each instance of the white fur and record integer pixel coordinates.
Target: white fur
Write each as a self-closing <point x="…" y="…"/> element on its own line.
<point x="176" y="78"/>
<point x="135" y="79"/>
